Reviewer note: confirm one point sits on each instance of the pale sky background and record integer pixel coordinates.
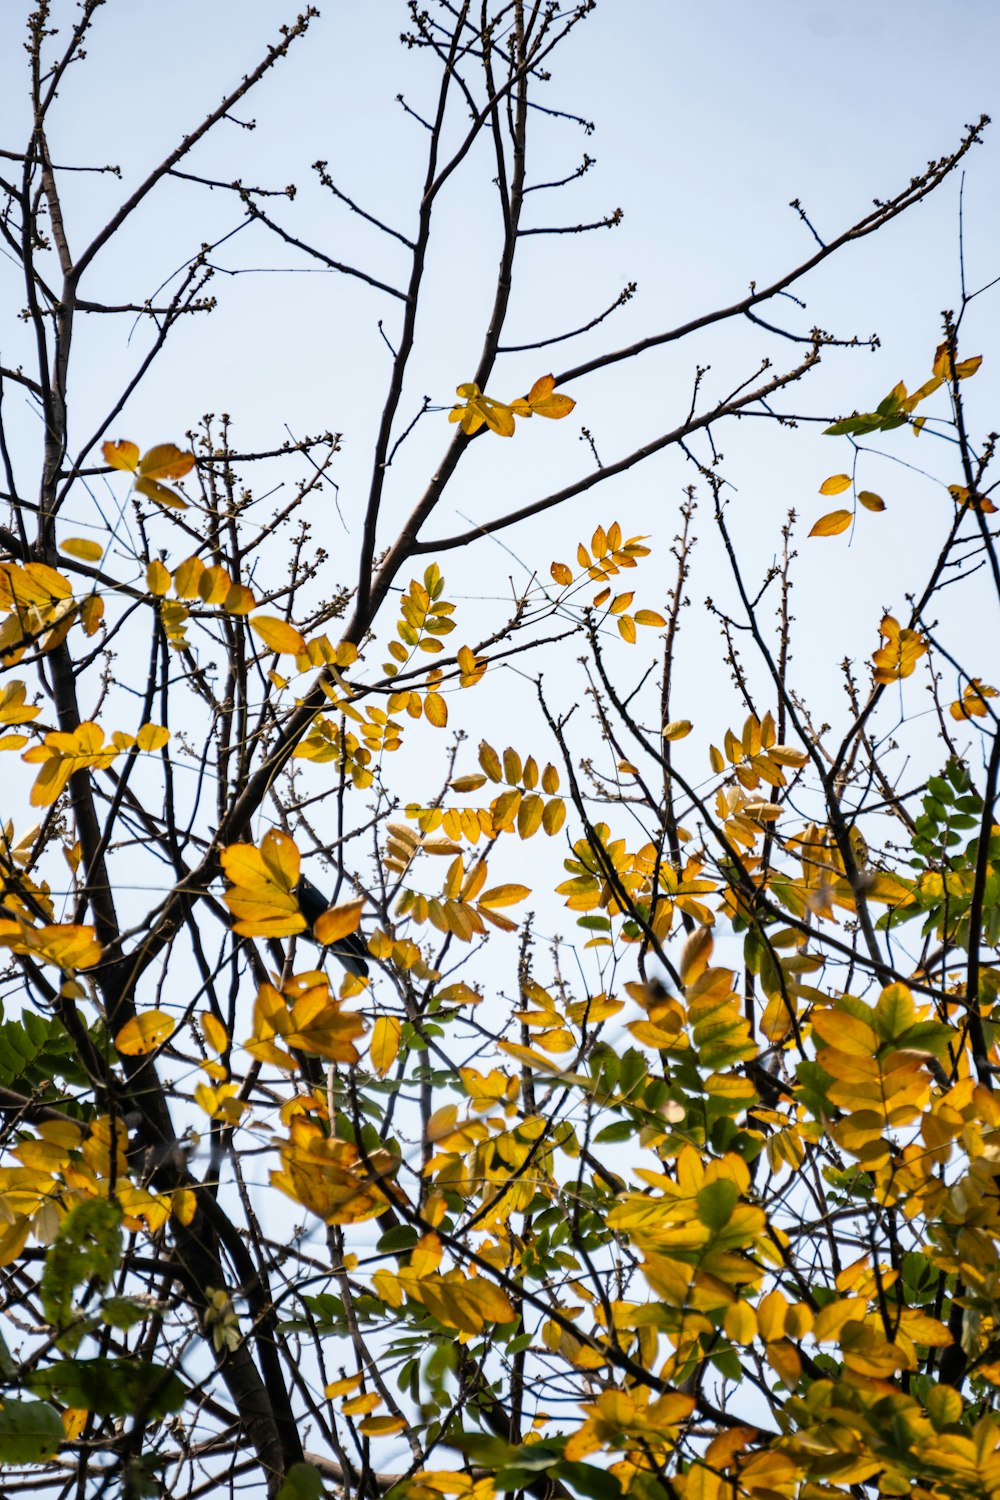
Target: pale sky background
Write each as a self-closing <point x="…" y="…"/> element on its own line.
<point x="709" y="119"/>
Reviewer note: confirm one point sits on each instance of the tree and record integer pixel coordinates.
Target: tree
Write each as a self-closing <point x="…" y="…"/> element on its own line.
<point x="369" y="1190"/>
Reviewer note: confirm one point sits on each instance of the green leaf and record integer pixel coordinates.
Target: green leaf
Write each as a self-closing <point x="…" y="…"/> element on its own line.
<point x="87" y="1247"/>
<point x="112" y="1387"/>
<point x="401" y="1237"/>
<point x="126" y="1312"/>
<point x="587" y="1479"/>
<point x="716" y="1202"/>
<point x="302" y="1482"/>
<point x="894" y="1013"/>
<point x="30" y="1432"/>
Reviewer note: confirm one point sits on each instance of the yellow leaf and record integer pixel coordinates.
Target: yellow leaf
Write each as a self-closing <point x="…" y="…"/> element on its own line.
<point x="157" y="579"/>
<point x="278" y="635"/>
<point x="62" y="754"/>
<point x="144" y="1033"/>
<point x="215" y="1033"/>
<point x="338" y="922"/>
<point x="504" y="895"/>
<point x="161" y="493"/>
<point x="554" y="816"/>
<point x="833" y="523"/>
<point x="67" y="945"/>
<point x="436" y="710"/>
<point x="871" y="501"/>
<point x="626" y="628"/>
<point x="384" y="1044"/>
<point x="740" y="1323"/>
<point x="342" y="1387"/>
<point x="561" y="573"/>
<point x="490" y="761"/>
<point x="187" y="578"/>
<point x="239" y="600"/>
<point x="529" y="816"/>
<point x="166" y="461"/>
<point x="152" y="737"/>
<point x="649" y="617"/>
<point x="967" y="367"/>
<point x="14" y="710"/>
<point x="971" y="705"/>
<point x="214" y="585"/>
<point x="470" y="783"/>
<point x="262" y="881"/>
<point x="363" y="1404"/>
<point x="899" y="656"/>
<point x="78" y="546"/>
<point x="695" y="954"/>
<point x="121" y="456"/>
<point x="91" y="614"/>
<point x="771" y="1314"/>
<point x="74" y="1419"/>
<point x="381" y="1426"/>
<point x="835" y="485"/>
<point x="480" y="409"/>
<point x="786" y="755"/>
<point x="544" y="402"/>
<point x="677" y="729"/>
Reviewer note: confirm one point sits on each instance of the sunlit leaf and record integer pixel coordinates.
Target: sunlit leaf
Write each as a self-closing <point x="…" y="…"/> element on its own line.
<point x="832" y="524"/>
<point x="504" y="895"/>
<point x="161" y="493"/>
<point x="902" y="650"/>
<point x="338" y="922"/>
<point x="81" y="547"/>
<point x="677" y="729"/>
<point x="384" y="1043"/>
<point x="121" y="455"/>
<point x="152" y="737"/>
<point x="144" y="1033"/>
<point x="166" y="461"/>
<point x="835" y="485"/>
<point x="278" y="635"/>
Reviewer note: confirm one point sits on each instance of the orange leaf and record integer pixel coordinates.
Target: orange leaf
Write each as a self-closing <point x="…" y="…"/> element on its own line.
<point x="832" y="524"/>
<point x="121" y="456"/>
<point x="899" y="656"/>
<point x="338" y="922"/>
<point x="166" y="461"/>
<point x="545" y="402"/>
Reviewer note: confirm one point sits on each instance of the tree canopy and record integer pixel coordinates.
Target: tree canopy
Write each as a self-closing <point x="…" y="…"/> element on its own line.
<point x="445" y="1049"/>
